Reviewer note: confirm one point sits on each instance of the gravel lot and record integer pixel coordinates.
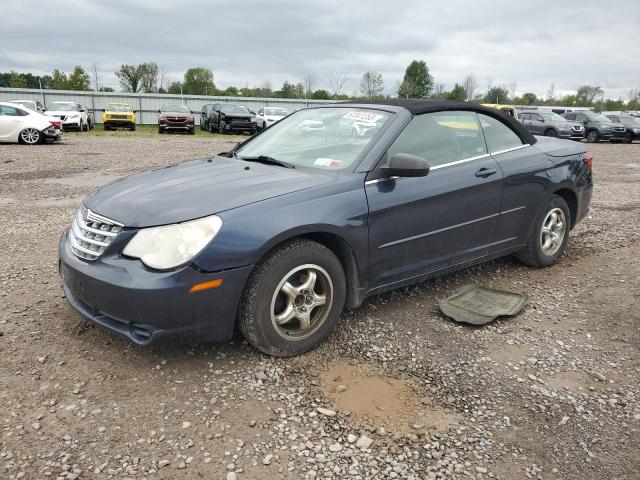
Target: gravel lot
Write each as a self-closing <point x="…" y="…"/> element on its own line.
<point x="398" y="391"/>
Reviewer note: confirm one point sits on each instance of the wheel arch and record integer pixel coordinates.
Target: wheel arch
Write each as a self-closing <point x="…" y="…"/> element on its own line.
<point x="340" y="248"/>
<point x="569" y="196"/>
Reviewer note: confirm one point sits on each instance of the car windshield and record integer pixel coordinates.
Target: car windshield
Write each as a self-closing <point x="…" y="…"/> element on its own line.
<point x="62" y="107"/>
<point x="175" y="108"/>
<point x="330" y="138"/>
<point x="277" y="112"/>
<point x="233" y="109"/>
<point x="553" y="117"/>
<point x="116" y="107"/>
<point x="596" y="117"/>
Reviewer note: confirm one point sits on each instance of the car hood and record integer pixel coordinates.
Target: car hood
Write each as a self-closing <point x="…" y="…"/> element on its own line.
<point x="196" y="189"/>
<point x="274" y="117"/>
<point x="238" y="115"/>
<point x="60" y="112"/>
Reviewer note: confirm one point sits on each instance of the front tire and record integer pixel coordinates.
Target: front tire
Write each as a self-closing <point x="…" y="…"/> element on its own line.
<point x="593" y="136"/>
<point x="550" y="132"/>
<point x="628" y="138"/>
<point x="30" y="136"/>
<point x="293" y="299"/>
<point x="548" y="234"/>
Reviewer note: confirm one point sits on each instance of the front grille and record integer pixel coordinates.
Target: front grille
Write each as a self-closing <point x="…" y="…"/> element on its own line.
<point x="177" y="119"/>
<point x="120" y="117"/>
<point x="577" y="128"/>
<point x="620" y="129"/>
<point x="61" y="117"/>
<point x="239" y="119"/>
<point x="91" y="234"/>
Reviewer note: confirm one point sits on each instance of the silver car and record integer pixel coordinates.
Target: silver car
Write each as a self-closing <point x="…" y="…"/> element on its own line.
<point x="551" y="124"/>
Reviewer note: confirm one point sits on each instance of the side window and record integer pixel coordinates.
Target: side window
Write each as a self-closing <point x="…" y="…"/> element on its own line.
<point x="498" y="135"/>
<point x="580" y="117"/>
<point x="11" y="111"/>
<point x="441" y="137"/>
<point x="570" y="116"/>
<point x="539" y="118"/>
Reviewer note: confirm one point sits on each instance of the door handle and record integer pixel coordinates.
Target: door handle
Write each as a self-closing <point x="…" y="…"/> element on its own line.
<point x="486" y="172"/>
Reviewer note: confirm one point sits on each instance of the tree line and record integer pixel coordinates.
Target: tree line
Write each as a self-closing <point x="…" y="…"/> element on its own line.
<point x="417" y="82"/>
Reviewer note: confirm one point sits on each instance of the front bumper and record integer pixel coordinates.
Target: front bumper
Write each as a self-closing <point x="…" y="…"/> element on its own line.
<point x="612" y="135"/>
<point x="240" y="127"/>
<point x="119" y="123"/>
<point x="571" y="134"/>
<point x="143" y="305"/>
<point x="177" y="127"/>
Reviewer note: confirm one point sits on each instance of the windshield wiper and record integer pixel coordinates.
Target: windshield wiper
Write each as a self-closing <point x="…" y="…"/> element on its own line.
<point x="268" y="161"/>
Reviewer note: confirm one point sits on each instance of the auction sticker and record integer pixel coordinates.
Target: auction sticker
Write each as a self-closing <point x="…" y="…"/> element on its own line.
<point x="364" y="116"/>
<point x="328" y="162"/>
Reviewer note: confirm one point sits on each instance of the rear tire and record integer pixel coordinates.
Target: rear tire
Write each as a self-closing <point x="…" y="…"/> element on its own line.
<point x="593" y="136"/>
<point x="30" y="136"/>
<point x="293" y="299"/>
<point x="545" y="231"/>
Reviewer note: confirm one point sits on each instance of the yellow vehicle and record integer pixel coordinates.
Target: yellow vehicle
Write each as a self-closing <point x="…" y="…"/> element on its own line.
<point x="509" y="109"/>
<point x="119" y="115"/>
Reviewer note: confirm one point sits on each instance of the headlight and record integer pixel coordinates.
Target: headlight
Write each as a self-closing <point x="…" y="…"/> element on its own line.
<point x="170" y="246"/>
<point x="637" y="130"/>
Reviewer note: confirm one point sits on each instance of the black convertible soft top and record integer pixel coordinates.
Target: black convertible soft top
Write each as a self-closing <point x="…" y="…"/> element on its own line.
<point x="419" y="107"/>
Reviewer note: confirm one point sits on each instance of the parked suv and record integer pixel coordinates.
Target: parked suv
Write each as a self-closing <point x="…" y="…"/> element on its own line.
<point x="119" y="115"/>
<point x="551" y="124"/>
<point x="227" y="117"/>
<point x="632" y="125"/>
<point x="598" y="127"/>
<point x="176" y="118"/>
<point x="72" y="115"/>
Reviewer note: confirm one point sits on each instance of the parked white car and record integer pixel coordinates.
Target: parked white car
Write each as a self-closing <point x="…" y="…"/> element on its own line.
<point x="267" y="116"/>
<point x="32" y="104"/>
<point x="19" y="124"/>
<point x="72" y="115"/>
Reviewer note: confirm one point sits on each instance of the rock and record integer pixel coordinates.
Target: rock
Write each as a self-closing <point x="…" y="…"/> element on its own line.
<point x="267" y="460"/>
<point x="598" y="376"/>
<point x="336" y="447"/>
<point x="326" y="412"/>
<point x="341" y="388"/>
<point x="186" y="424"/>
<point x="381" y="431"/>
<point x="231" y="476"/>
<point x="163" y="463"/>
<point x="351" y="438"/>
<point x="182" y="465"/>
<point x="481" y="470"/>
<point x="364" y="442"/>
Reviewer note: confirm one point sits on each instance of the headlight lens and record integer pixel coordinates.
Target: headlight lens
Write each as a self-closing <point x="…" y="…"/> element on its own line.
<point x="170" y="246"/>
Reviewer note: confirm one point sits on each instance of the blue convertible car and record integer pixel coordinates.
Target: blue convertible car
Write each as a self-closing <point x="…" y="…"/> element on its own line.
<point x="326" y="207"/>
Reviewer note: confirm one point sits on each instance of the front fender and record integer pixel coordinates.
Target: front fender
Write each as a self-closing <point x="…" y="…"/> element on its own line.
<point x="248" y="233"/>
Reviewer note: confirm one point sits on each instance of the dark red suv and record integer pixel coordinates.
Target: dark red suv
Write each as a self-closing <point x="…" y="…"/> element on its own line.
<point x="176" y="118"/>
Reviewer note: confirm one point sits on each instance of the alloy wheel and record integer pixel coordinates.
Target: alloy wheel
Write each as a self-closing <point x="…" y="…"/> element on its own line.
<point x="553" y="231"/>
<point x="301" y="302"/>
<point x="592" y="136"/>
<point x="30" y="136"/>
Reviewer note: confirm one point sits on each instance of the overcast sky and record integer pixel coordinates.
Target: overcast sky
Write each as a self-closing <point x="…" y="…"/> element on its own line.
<point x="566" y="43"/>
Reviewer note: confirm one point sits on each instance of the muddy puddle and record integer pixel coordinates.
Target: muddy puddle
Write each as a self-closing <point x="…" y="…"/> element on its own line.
<point x="84" y="179"/>
<point x="382" y="401"/>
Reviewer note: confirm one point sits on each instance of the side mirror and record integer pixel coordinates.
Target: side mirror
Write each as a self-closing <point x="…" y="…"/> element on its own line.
<point x="405" y="165"/>
<point x="83" y="110"/>
<point x="159" y="111"/>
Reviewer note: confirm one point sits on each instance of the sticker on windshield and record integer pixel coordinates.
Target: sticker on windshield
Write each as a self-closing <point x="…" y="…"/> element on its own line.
<point x="363" y="116"/>
<point x="328" y="162"/>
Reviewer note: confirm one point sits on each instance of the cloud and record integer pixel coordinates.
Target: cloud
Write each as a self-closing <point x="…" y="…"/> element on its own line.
<point x="245" y="43"/>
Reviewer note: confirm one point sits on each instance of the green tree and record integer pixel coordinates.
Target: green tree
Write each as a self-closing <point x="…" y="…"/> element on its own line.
<point x="79" y="79"/>
<point x="18" y="80"/>
<point x="130" y="78"/>
<point x="586" y="94"/>
<point x="199" y="81"/>
<point x="458" y="94"/>
<point x="230" y="92"/>
<point x="321" y="95"/>
<point x="529" y="98"/>
<point x="417" y="81"/>
<point x="371" y="85"/>
<point x="148" y="77"/>
<point x="175" y="88"/>
<point x="59" y="80"/>
<point x="289" y="90"/>
<point x="496" y="95"/>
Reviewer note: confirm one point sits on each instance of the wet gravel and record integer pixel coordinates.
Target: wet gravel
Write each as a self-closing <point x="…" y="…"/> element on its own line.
<point x="553" y="393"/>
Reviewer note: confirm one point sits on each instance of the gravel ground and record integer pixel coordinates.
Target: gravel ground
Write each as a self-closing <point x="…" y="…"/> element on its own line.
<point x="398" y="391"/>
